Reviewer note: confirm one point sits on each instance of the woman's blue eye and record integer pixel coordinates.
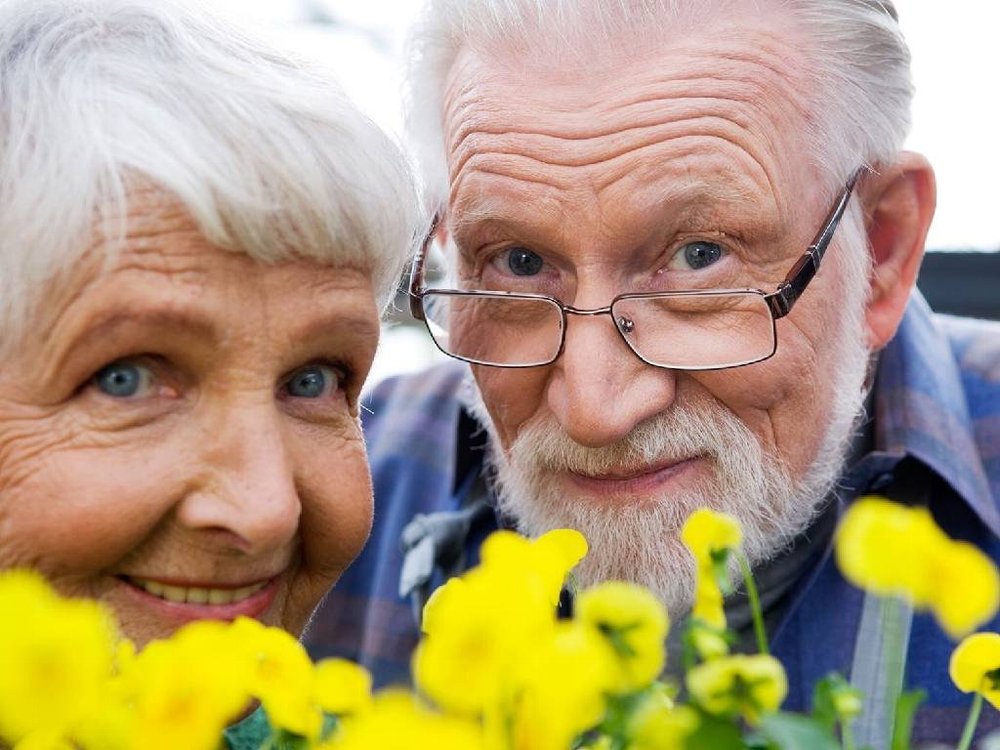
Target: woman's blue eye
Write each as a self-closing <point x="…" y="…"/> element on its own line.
<point x="701" y="254"/>
<point x="314" y="381"/>
<point x="122" y="379"/>
<point x="524" y="262"/>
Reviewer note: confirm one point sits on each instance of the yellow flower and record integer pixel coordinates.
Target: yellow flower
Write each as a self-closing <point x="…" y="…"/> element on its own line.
<point x="708" y="599"/>
<point x="847" y="703"/>
<point x="975" y="666"/>
<point x="748" y="685"/>
<point x="545" y="561"/>
<point x="57" y="654"/>
<point x="710" y="536"/>
<point x="657" y="724"/>
<point x="474" y="626"/>
<point x="885" y="548"/>
<point x="634" y="622"/>
<point x="708" y="532"/>
<point x="893" y="550"/>
<point x="397" y="721"/>
<point x="556" y="691"/>
<point x="342" y="687"/>
<point x="281" y="677"/>
<point x="709" y="641"/>
<point x="186" y="689"/>
<point x="45" y="739"/>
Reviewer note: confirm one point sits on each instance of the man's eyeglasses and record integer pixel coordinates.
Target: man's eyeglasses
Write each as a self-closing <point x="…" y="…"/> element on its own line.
<point x="681" y="330"/>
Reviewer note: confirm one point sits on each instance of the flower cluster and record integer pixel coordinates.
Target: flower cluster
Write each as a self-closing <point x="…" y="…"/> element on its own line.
<point x="69" y="680"/>
<point x="500" y="666"/>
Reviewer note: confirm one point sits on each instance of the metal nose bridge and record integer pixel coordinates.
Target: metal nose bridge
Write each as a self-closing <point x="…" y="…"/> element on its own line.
<point x="624" y="325"/>
<point x="606" y="310"/>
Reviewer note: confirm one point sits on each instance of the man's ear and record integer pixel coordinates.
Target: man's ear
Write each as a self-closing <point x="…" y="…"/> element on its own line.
<point x="899" y="204"/>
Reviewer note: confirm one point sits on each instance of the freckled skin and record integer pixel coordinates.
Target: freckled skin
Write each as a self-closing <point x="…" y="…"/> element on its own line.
<point x="605" y="172"/>
<point x="215" y="473"/>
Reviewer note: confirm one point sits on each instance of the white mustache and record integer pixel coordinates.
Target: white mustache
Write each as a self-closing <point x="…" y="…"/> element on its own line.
<point x="691" y="429"/>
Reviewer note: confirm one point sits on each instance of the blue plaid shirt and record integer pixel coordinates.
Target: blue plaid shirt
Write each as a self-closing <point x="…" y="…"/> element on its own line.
<point x="937" y="403"/>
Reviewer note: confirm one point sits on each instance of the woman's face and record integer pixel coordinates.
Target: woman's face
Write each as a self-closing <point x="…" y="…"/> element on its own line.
<point x="179" y="436"/>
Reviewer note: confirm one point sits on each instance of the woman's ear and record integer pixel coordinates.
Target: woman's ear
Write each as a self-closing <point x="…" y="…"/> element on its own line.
<point x="899" y="205"/>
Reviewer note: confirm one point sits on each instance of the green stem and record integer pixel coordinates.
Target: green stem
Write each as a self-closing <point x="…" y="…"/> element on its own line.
<point x="846" y="736"/>
<point x="758" y="615"/>
<point x="971" y="722"/>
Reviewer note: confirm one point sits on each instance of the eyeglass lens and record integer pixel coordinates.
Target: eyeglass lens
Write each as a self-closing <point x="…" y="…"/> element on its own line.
<point x="683" y="331"/>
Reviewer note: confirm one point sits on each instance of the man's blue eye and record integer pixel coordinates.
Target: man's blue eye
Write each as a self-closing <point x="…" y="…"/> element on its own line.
<point x="121" y="379"/>
<point x="311" y="382"/>
<point x="701" y="254"/>
<point x="524" y="262"/>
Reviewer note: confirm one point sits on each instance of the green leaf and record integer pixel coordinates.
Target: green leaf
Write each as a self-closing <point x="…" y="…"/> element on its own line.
<point x="795" y="732"/>
<point x="835" y="701"/>
<point x="906" y="710"/>
<point x="823" y="710"/>
<point x="715" y="733"/>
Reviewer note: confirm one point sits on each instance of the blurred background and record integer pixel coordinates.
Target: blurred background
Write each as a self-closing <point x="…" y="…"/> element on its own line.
<point x="956" y="117"/>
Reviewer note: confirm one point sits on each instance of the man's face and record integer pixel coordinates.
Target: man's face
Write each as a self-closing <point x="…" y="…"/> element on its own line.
<point x="676" y="166"/>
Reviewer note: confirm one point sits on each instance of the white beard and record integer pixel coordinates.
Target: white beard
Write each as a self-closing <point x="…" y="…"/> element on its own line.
<point x="637" y="539"/>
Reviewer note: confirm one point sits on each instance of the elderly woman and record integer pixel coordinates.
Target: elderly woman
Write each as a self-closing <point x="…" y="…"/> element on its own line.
<point x="197" y="237"/>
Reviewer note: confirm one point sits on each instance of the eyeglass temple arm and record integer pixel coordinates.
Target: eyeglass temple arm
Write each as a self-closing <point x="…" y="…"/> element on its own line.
<point x="417" y="271"/>
<point x="805" y="268"/>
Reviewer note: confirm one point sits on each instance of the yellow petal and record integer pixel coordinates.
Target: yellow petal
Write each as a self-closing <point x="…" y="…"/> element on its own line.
<point x="748" y="685"/>
<point x="889" y="549"/>
<point x="636" y="624"/>
<point x="966" y="588"/>
<point x="972" y="660"/>
<point x="342" y="687"/>
<point x="707" y="531"/>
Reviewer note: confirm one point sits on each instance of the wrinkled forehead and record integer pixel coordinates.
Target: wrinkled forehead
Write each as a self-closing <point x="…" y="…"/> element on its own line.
<point x="591" y="102"/>
<point x="150" y="253"/>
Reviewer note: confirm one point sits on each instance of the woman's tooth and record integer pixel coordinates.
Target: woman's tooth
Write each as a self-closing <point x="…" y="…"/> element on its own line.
<point x="181" y="594"/>
<point x="153" y="587"/>
<point x="174" y="594"/>
<point x="243" y="593"/>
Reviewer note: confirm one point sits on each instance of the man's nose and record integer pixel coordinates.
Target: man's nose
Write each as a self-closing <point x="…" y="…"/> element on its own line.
<point x="248" y="489"/>
<point x="599" y="389"/>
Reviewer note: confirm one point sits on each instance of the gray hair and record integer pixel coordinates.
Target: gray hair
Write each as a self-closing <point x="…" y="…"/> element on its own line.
<point x="265" y="152"/>
<point x="858" y="66"/>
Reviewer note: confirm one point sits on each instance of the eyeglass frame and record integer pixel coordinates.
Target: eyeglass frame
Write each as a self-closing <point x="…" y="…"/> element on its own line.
<point x="779" y="302"/>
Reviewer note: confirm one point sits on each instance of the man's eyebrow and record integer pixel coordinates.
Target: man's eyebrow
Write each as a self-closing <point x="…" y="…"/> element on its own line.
<point x="490" y="211"/>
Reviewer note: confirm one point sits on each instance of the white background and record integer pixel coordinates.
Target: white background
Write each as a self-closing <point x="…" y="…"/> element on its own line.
<point x="956" y="69"/>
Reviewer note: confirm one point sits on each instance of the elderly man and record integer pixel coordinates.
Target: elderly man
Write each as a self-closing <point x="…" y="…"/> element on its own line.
<point x="681" y="243"/>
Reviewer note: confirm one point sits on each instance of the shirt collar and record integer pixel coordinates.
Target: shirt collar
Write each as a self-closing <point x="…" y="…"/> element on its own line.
<point x="921" y="410"/>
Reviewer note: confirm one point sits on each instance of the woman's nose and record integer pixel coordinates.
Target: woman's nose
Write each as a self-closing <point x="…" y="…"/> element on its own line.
<point x="248" y="488"/>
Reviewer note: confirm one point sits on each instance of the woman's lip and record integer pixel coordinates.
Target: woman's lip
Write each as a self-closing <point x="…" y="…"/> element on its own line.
<point x="254" y="605"/>
<point x="645" y="480"/>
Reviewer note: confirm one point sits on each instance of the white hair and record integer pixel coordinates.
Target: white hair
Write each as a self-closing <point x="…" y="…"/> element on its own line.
<point x="265" y="152"/>
<point x="857" y="66"/>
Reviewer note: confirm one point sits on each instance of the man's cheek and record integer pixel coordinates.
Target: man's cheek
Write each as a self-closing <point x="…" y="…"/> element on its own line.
<point x="511" y="397"/>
